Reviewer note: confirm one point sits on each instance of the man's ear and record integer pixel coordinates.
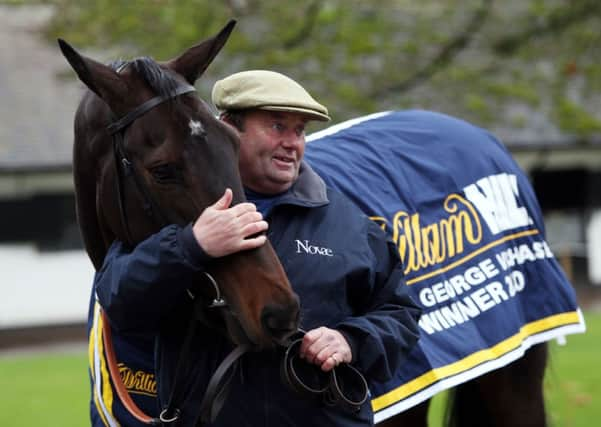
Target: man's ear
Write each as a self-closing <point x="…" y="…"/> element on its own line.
<point x="226" y="118"/>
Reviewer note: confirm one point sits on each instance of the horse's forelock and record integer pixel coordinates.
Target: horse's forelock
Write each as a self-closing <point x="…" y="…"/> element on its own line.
<point x="118" y="64"/>
<point x="160" y="80"/>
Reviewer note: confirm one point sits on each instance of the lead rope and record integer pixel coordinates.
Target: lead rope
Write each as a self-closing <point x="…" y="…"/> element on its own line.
<point x="344" y="386"/>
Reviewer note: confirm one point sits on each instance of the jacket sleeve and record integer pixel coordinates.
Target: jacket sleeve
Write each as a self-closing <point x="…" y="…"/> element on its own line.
<point x="385" y="328"/>
<point x="138" y="287"/>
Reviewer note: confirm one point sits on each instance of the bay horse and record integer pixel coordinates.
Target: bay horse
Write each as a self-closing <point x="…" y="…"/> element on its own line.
<point x="470" y="234"/>
<point x="149" y="152"/>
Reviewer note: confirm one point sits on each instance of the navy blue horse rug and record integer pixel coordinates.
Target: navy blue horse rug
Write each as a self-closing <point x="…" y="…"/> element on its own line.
<point x="471" y="237"/>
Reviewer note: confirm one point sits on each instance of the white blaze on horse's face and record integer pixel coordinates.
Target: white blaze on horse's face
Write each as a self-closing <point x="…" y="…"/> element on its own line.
<point x="196" y="128"/>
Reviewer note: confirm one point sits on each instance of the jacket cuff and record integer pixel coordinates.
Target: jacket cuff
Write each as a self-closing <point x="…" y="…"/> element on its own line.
<point x="192" y="251"/>
<point x="352" y="344"/>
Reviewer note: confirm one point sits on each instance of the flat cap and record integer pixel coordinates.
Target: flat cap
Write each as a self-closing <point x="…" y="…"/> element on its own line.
<point x="266" y="90"/>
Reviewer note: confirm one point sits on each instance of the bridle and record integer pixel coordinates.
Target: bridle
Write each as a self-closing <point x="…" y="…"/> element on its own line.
<point x="125" y="169"/>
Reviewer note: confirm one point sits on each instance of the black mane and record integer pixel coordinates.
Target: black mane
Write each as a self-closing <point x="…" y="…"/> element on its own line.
<point x="159" y="79"/>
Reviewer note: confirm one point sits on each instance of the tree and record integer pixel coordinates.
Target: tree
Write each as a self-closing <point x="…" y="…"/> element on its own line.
<point x="527" y="68"/>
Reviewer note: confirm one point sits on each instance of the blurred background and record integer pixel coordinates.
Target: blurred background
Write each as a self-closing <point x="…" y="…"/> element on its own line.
<point x="528" y="70"/>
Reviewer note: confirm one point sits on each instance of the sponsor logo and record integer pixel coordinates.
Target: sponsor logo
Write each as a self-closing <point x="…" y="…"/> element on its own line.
<point x="497" y="199"/>
<point x="306" y="247"/>
<point x="492" y="202"/>
<point x="421" y="245"/>
<point x="138" y="381"/>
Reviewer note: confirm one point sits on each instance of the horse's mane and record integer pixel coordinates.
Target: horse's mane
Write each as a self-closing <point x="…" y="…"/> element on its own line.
<point x="159" y="79"/>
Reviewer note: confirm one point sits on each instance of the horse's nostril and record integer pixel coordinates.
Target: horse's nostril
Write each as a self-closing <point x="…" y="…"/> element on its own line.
<point x="280" y="321"/>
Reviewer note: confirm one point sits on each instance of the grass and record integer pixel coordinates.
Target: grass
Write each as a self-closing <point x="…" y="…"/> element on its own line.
<point x="52" y="389"/>
<point x="44" y="390"/>
<point x="573" y="379"/>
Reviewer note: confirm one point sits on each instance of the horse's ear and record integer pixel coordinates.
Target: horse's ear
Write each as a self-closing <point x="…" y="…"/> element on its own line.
<point x="101" y="79"/>
<point x="194" y="61"/>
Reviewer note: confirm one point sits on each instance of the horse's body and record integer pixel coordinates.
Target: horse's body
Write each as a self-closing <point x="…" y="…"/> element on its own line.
<point x="471" y="237"/>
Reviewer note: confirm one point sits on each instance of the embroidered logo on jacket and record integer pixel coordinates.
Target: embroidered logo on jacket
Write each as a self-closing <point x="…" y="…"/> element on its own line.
<point x="306" y="247"/>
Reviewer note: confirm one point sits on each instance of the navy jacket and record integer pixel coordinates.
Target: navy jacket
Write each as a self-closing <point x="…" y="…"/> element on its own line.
<point x="358" y="290"/>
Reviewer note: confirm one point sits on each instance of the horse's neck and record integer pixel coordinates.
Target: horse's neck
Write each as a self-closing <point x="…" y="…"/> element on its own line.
<point x="92" y="152"/>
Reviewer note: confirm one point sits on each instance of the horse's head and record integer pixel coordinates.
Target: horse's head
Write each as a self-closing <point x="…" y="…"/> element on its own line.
<point x="164" y="159"/>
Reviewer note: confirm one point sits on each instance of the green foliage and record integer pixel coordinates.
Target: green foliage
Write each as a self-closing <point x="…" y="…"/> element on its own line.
<point x="15" y="2"/>
<point x="475" y="103"/>
<point x="358" y="57"/>
<point x="521" y="90"/>
<point x="593" y="71"/>
<point x="574" y="119"/>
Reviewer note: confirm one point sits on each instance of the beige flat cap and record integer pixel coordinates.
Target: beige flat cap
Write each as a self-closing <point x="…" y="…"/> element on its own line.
<point x="266" y="90"/>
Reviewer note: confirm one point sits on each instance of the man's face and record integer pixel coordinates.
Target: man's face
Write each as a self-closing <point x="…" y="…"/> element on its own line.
<point x="272" y="146"/>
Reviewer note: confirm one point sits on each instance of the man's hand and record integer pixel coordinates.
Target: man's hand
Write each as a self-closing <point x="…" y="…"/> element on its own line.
<point x="221" y="230"/>
<point x="325" y="347"/>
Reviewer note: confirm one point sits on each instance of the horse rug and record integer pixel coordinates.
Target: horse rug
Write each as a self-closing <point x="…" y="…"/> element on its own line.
<point x="471" y="237"/>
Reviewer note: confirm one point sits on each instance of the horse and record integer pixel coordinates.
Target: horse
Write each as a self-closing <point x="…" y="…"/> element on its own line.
<point x="149" y="152"/>
<point x="470" y="234"/>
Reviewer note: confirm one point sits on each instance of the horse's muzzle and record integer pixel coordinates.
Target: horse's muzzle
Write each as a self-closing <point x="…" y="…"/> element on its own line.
<point x="281" y="321"/>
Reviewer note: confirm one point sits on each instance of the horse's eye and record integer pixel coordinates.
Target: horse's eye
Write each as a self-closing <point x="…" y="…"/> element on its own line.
<point x="166" y="174"/>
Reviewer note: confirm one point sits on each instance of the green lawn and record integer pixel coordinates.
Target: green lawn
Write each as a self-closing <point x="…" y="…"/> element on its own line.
<point x="44" y="390"/>
<point x="572" y="383"/>
<point x="52" y="390"/>
<point x="573" y="380"/>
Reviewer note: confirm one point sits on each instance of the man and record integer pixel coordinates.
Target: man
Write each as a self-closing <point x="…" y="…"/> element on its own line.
<point x="354" y="304"/>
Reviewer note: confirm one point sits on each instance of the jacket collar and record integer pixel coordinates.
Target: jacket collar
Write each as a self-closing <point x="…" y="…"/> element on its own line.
<point x="309" y="190"/>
